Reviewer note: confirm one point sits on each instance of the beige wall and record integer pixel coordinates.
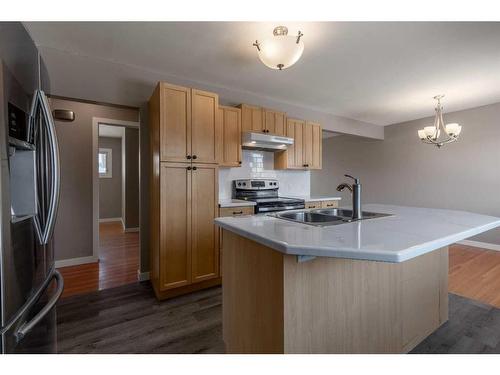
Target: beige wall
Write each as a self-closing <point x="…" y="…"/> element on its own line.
<point x="110" y="189"/>
<point x="402" y="170"/>
<point x="73" y="231"/>
<point x="145" y="172"/>
<point x="131" y="178"/>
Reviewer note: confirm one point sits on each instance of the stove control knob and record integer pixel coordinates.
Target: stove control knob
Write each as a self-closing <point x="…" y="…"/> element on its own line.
<point x="239" y="183"/>
<point x="244" y="184"/>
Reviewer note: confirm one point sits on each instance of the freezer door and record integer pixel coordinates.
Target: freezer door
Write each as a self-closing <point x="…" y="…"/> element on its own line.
<point x="27" y="256"/>
<point x="33" y="329"/>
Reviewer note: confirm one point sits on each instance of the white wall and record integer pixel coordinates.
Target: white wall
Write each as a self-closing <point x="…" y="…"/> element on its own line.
<point x="260" y="164"/>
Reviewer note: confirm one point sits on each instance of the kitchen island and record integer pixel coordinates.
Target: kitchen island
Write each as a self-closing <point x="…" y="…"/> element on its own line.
<point x="370" y="286"/>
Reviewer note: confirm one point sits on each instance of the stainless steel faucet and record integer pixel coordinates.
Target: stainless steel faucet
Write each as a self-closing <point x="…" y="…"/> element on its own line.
<point x="355" y="190"/>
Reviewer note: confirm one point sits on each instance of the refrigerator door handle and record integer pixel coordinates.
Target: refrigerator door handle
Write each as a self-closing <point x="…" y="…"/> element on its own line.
<point x="28" y="326"/>
<point x="53" y="166"/>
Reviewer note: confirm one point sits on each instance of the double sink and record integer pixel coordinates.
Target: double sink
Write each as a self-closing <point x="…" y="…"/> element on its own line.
<point x="325" y="217"/>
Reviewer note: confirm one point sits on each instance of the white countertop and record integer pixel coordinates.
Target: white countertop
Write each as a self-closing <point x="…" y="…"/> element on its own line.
<point x="235" y="203"/>
<point x="317" y="198"/>
<point x="409" y="233"/>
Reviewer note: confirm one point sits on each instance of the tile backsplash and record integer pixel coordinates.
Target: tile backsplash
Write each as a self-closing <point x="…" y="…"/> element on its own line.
<point x="260" y="164"/>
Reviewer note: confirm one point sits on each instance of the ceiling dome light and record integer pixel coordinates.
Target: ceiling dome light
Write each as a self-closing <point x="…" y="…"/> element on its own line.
<point x="282" y="50"/>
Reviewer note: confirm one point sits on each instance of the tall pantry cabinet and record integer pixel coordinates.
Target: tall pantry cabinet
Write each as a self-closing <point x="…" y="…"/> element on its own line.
<point x="185" y="147"/>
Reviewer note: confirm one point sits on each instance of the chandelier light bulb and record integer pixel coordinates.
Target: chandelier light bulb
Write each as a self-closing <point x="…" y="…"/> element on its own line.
<point x="453" y="129"/>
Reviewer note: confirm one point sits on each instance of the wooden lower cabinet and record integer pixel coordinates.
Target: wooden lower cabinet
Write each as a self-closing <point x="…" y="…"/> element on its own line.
<point x="186" y="255"/>
<point x="310" y="205"/>
<point x="321" y="204"/>
<point x="232" y="211"/>
<point x="329" y="204"/>
<point x="204" y="234"/>
<point x="236" y="211"/>
<point x="175" y="226"/>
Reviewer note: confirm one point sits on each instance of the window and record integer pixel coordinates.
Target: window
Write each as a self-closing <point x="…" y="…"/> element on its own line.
<point x="105" y="163"/>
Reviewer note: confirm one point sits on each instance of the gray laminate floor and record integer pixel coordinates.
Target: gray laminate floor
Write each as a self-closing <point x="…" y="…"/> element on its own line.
<point x="129" y="319"/>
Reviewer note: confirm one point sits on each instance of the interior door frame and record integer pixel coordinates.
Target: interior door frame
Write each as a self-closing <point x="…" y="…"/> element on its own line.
<point x="96" y="121"/>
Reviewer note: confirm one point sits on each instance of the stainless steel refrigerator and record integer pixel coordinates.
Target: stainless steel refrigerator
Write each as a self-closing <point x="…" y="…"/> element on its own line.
<point x="29" y="195"/>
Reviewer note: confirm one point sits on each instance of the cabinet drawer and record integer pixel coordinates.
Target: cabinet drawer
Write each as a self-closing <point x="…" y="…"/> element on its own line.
<point x="329" y="204"/>
<point x="236" y="211"/>
<point x="313" y="205"/>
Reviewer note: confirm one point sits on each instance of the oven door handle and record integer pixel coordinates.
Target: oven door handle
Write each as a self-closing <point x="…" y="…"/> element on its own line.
<point x="28" y="326"/>
<point x="283" y="208"/>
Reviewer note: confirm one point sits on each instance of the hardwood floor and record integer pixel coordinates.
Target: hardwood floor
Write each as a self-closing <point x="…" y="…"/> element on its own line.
<point x="475" y="273"/>
<point x="118" y="263"/>
<point x="129" y="319"/>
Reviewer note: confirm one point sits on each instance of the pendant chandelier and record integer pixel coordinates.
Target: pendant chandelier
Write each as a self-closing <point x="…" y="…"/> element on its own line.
<point x="432" y="134"/>
<point x="282" y="50"/>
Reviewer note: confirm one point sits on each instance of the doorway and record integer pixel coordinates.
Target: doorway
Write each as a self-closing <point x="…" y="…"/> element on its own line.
<point x="118" y="204"/>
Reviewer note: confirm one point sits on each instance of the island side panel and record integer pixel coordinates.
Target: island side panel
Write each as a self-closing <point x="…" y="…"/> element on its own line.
<point x="252" y="292"/>
<point x="354" y="306"/>
<point x="335" y="305"/>
<point x="425" y="296"/>
<point x="443" y="298"/>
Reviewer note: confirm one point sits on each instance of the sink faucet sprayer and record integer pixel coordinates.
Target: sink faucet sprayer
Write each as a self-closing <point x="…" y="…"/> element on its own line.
<point x="355" y="190"/>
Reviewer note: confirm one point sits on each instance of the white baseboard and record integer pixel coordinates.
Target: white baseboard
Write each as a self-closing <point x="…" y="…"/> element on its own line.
<point x="482" y="245"/>
<point x="128" y="230"/>
<point x="142" y="276"/>
<point x="110" y="219"/>
<point x="76" y="261"/>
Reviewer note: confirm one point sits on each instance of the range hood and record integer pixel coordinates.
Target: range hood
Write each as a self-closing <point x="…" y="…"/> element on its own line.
<point x="265" y="142"/>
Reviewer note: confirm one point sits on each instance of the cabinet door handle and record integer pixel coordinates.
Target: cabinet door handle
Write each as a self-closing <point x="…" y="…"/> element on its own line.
<point x="237" y="212"/>
<point x="239" y="162"/>
<point x="194" y="168"/>
<point x="188" y="168"/>
<point x="188" y="156"/>
<point x="329" y="205"/>
<point x="195" y="157"/>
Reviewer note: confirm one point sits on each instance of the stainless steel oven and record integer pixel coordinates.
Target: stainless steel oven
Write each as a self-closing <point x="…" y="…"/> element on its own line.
<point x="265" y="193"/>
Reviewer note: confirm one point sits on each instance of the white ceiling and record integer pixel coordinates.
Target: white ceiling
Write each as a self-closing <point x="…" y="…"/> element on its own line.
<point x="112" y="131"/>
<point x="376" y="72"/>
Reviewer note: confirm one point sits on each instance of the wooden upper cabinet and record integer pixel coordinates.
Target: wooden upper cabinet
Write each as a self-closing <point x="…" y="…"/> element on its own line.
<point x="204" y="127"/>
<point x="230" y="118"/>
<point x="252" y="118"/>
<point x="205" y="239"/>
<point x="175" y="122"/>
<point x="316" y="161"/>
<point x="293" y="157"/>
<point x="306" y="152"/>
<point x="175" y="225"/>
<point x="307" y="145"/>
<point x="274" y="122"/>
<point x="312" y="145"/>
<point x="297" y="129"/>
